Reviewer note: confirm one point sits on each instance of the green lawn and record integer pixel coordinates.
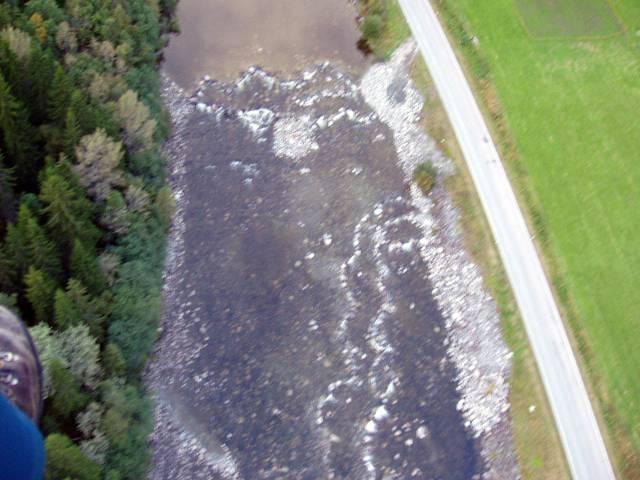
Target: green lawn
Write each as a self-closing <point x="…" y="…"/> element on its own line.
<point x="572" y="107"/>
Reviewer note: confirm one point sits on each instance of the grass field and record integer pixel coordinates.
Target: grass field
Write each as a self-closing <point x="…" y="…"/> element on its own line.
<point x="566" y="114"/>
<point x="569" y="18"/>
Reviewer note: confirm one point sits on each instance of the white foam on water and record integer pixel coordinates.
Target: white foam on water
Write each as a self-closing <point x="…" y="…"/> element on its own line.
<point x="257" y="121"/>
<point x="474" y="339"/>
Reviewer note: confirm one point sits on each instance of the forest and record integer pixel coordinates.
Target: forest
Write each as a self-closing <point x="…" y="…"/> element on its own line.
<point x="83" y="216"/>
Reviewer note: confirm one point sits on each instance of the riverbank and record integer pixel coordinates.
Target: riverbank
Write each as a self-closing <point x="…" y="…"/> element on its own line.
<point x="539" y="450"/>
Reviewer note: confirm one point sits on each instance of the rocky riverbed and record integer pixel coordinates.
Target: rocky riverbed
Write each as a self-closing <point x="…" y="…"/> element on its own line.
<point x="322" y="319"/>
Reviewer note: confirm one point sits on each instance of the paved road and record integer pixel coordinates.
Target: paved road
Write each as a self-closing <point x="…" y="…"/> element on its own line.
<point x="577" y="426"/>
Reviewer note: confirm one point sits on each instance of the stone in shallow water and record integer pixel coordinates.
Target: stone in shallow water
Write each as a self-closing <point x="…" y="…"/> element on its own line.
<point x="293" y="137"/>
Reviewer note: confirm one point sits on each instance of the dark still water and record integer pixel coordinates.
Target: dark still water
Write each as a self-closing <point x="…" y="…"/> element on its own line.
<point x="221" y="38"/>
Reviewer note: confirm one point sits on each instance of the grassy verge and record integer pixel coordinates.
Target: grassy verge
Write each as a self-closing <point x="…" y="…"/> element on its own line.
<point x="537" y="444"/>
<point x="569" y="142"/>
<point x="383" y="26"/>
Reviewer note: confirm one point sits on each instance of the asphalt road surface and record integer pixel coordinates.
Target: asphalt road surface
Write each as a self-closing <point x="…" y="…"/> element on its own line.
<point x="576" y="422"/>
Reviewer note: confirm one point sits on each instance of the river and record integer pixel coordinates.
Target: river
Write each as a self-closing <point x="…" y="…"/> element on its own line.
<point x="321" y="318"/>
<point x="222" y="38"/>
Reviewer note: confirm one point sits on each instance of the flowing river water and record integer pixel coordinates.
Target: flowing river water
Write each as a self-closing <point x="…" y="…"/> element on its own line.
<point x="322" y="319"/>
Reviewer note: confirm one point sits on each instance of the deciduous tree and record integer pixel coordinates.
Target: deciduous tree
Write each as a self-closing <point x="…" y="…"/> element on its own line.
<point x="98" y="164"/>
<point x="134" y="118"/>
<point x="19" y="41"/>
<point x="66" y="38"/>
<point x="116" y="216"/>
<point x="82" y="353"/>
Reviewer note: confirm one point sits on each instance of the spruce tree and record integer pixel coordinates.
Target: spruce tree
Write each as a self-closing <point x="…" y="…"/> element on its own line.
<point x="59" y="96"/>
<point x="113" y="360"/>
<point x="39" y="76"/>
<point x="90" y="310"/>
<point x="40" y="293"/>
<point x="115" y="216"/>
<point x="19" y="138"/>
<point x="16" y="243"/>
<point x="66" y="313"/>
<point x="68" y="396"/>
<point x="7" y="271"/>
<point x="68" y="214"/>
<point x="7" y="201"/>
<point x="83" y="112"/>
<point x="42" y="252"/>
<point x="72" y="133"/>
<point x="83" y="265"/>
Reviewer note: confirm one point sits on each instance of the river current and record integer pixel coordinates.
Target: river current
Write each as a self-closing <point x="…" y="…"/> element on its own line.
<point x="322" y="319"/>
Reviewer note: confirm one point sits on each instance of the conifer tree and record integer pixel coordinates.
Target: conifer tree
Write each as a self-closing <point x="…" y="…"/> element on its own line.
<point x="68" y="214"/>
<point x="7" y="272"/>
<point x="40" y="293"/>
<point x="72" y="133"/>
<point x="83" y="265"/>
<point x="66" y="38"/>
<point x="113" y="360"/>
<point x="19" y="137"/>
<point x="42" y="252"/>
<point x="66" y="313"/>
<point x="134" y="118"/>
<point x="66" y="460"/>
<point x="68" y="396"/>
<point x="7" y="182"/>
<point x="39" y="76"/>
<point x="19" y="42"/>
<point x="82" y="111"/>
<point x="17" y="241"/>
<point x="59" y="96"/>
<point x="89" y="310"/>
